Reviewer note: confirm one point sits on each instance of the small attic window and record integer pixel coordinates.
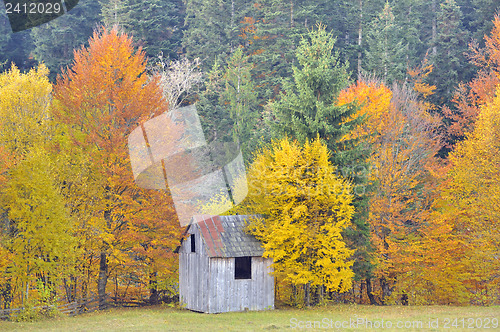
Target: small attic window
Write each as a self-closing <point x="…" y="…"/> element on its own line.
<point x="243" y="267"/>
<point x="193" y="243"/>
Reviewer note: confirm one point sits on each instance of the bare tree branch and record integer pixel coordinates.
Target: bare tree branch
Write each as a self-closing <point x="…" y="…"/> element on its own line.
<point x="179" y="79"/>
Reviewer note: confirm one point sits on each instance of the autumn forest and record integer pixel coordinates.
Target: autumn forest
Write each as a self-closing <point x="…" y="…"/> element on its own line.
<point x="370" y="133"/>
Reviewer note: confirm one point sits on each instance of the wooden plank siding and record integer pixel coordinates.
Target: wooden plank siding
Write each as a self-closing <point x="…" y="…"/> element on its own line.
<point x="207" y="284"/>
<point x="230" y="294"/>
<point x="193" y="272"/>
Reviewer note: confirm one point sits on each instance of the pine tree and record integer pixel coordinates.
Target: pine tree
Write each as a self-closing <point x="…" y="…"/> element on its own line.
<point x="156" y="26"/>
<point x="450" y="65"/>
<point x="386" y="52"/>
<point x="5" y="35"/>
<point x="55" y="41"/>
<point x="482" y="17"/>
<point x="308" y="107"/>
<point x="214" y="116"/>
<point x="359" y="14"/>
<point x="228" y="104"/>
<point x="239" y="97"/>
<point x="410" y="20"/>
<point x="276" y="30"/>
<point x="14" y="47"/>
<point x="212" y="29"/>
<point x="308" y="104"/>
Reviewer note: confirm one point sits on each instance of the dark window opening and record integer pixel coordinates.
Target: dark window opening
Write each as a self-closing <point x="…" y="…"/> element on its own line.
<point x="193" y="243"/>
<point x="243" y="267"/>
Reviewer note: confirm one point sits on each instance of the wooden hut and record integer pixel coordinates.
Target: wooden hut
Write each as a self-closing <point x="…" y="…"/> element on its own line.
<point x="221" y="268"/>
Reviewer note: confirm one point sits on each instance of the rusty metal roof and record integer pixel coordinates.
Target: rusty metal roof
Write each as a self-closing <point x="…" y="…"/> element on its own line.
<point x="224" y="236"/>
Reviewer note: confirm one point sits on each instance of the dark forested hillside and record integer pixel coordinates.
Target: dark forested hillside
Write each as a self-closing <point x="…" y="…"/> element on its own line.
<point x="387" y="39"/>
<point x="374" y="36"/>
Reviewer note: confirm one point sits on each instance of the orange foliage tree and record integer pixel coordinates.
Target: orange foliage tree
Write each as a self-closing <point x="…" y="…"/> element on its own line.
<point x="459" y="255"/>
<point x="126" y="232"/>
<point x="402" y="159"/>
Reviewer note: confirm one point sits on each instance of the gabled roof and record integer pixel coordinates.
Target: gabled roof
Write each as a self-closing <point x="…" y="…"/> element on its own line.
<point x="224" y="236"/>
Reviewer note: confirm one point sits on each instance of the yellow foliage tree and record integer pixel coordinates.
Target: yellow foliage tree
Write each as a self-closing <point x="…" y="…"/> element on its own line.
<point x="471" y="205"/>
<point x="24" y="108"/>
<point x="36" y="240"/>
<point x="306" y="208"/>
<point x="375" y="100"/>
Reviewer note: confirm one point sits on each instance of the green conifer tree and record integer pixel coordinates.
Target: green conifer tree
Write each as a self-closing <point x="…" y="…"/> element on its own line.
<point x="277" y="30"/>
<point x="308" y="108"/>
<point x="410" y="22"/>
<point x="239" y="97"/>
<point x="55" y="41"/>
<point x="212" y="29"/>
<point x="156" y="25"/>
<point x="14" y="47"/>
<point x="386" y="52"/>
<point x="5" y="33"/>
<point x="228" y="104"/>
<point x="482" y="16"/>
<point x="450" y="65"/>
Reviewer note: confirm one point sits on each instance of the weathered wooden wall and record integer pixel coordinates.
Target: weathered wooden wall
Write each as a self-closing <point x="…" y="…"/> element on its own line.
<point x="208" y="285"/>
<point x="229" y="294"/>
<point x="193" y="274"/>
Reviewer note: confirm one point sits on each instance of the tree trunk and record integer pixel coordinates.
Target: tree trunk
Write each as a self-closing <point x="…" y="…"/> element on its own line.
<point x="85" y="285"/>
<point x="276" y="289"/>
<point x="88" y="278"/>
<point x="68" y="289"/>
<point x="307" y="294"/>
<point x="369" y="292"/>
<point x="116" y="286"/>
<point x="153" y="288"/>
<point x="7" y="294"/>
<point x="360" y="36"/>
<point x="361" y="289"/>
<point x="103" y="279"/>
<point x="232" y="27"/>
<point x="386" y="291"/>
<point x="232" y="14"/>
<point x="386" y="55"/>
<point x="434" y="28"/>
<point x="404" y="299"/>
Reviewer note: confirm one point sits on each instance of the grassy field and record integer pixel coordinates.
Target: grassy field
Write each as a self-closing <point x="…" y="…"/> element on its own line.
<point x="353" y="317"/>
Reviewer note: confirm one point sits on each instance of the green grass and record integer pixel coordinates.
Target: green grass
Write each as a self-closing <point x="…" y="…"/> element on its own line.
<point x="169" y="319"/>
